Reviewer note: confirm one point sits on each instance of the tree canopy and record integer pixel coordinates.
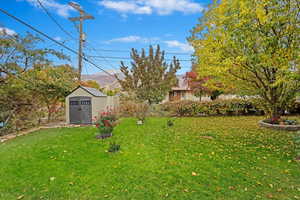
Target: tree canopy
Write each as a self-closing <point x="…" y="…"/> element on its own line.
<point x="150" y="78"/>
<point x="251" y="46"/>
<point x="29" y="82"/>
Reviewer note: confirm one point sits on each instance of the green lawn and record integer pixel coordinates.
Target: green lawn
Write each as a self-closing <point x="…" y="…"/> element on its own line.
<point x="238" y="161"/>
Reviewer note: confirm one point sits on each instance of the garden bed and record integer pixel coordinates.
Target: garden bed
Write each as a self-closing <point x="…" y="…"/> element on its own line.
<point x="279" y="126"/>
<point x="104" y="136"/>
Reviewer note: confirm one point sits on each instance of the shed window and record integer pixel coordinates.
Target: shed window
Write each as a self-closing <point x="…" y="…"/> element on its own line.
<point x="74" y="103"/>
<point x="85" y="102"/>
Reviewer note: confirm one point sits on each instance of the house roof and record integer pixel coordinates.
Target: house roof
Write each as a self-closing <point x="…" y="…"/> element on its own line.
<point x="92" y="91"/>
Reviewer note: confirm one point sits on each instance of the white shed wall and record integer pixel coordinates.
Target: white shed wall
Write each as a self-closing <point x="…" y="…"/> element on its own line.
<point x="98" y="103"/>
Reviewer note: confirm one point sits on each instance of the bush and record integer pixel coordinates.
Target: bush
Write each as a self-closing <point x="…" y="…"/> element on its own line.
<point x="170" y="123"/>
<point x="130" y="108"/>
<point x="217" y="107"/>
<point x="113" y="147"/>
<point x="106" y="122"/>
<point x="294" y="107"/>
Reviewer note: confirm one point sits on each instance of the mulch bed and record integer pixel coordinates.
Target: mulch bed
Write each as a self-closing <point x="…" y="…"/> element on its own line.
<point x="104" y="136"/>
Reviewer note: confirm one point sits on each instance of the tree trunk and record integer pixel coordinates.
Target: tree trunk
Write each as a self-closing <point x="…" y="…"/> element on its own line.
<point x="49" y="113"/>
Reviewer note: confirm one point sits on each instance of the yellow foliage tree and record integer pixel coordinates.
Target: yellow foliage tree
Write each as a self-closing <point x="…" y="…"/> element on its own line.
<point x="252" y="46"/>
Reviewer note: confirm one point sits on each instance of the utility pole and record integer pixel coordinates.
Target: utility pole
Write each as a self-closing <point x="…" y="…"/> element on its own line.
<point x="83" y="16"/>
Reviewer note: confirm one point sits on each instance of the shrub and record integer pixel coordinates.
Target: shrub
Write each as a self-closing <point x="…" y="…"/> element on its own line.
<point x="281" y="121"/>
<point x="113" y="147"/>
<point x="106" y="122"/>
<point x="294" y="107"/>
<point x="131" y="108"/>
<point x="170" y="123"/>
<point x="217" y="107"/>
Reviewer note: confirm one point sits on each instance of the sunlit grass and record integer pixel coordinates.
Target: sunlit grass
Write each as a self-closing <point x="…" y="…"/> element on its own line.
<point x="197" y="158"/>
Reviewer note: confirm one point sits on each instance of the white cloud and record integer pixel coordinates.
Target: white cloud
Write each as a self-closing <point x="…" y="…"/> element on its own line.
<point x="182" y="46"/>
<point x="161" y="7"/>
<point x="132" y="39"/>
<point x="7" y="31"/>
<point x="60" y="9"/>
<point x="126" y="7"/>
<point x="57" y="38"/>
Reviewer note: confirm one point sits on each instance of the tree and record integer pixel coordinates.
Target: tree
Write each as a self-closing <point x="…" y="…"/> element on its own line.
<point x="197" y="85"/>
<point x="150" y="77"/>
<point x="253" y="47"/>
<point x="91" y="83"/>
<point x="19" y="56"/>
<point x="51" y="83"/>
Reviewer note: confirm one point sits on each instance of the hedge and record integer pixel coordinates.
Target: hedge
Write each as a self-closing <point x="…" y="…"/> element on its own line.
<point x="217" y="107"/>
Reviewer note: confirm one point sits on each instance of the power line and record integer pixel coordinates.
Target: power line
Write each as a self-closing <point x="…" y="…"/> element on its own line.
<point x="53" y="40"/>
<point x="54" y="20"/>
<point x="96" y="50"/>
<point x="169" y="53"/>
<point x="127" y="58"/>
<point x="92" y="48"/>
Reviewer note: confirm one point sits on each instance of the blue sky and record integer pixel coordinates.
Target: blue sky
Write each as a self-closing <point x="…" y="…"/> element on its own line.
<point x="118" y="25"/>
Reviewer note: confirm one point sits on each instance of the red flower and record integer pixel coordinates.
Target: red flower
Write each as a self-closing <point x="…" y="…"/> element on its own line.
<point x="107" y="123"/>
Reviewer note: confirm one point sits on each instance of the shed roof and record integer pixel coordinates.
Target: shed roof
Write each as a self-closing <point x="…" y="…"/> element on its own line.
<point x="92" y="91"/>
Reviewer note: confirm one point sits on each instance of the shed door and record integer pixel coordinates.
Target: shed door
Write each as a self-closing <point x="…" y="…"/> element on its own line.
<point x="80" y="110"/>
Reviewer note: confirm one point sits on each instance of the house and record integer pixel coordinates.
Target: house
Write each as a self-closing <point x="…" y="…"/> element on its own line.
<point x="182" y="92"/>
<point x="83" y="104"/>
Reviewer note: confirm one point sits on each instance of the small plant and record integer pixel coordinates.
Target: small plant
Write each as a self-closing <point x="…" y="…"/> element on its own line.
<point x="170" y="122"/>
<point x="281" y="121"/>
<point x="106" y="123"/>
<point x="141" y="112"/>
<point x="113" y="147"/>
<point x="290" y="122"/>
<point x="297" y="145"/>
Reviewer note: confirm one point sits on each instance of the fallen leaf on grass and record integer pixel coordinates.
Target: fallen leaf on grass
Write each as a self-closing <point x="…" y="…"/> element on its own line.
<point x="207" y="137"/>
<point x="231" y="188"/>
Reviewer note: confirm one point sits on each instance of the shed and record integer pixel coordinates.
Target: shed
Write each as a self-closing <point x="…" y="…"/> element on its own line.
<point x="83" y="104"/>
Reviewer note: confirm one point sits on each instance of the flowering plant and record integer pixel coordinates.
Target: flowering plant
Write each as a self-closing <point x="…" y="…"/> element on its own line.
<point x="106" y="122"/>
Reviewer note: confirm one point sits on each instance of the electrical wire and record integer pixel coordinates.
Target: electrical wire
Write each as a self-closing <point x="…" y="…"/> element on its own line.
<point x="127" y="51"/>
<point x="127" y="58"/>
<point x="53" y="40"/>
<point x="96" y="50"/>
<point x="55" y="21"/>
<point x="66" y="32"/>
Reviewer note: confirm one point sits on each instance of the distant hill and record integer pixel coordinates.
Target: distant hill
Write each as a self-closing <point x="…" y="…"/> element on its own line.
<point x="104" y="80"/>
<point x="109" y="82"/>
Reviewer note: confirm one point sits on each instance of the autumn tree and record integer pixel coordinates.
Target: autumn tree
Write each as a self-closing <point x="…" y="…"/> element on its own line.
<point x="150" y="77"/>
<point x="197" y="85"/>
<point x="91" y="83"/>
<point x="252" y="46"/>
<point x="18" y="56"/>
<point x="51" y="83"/>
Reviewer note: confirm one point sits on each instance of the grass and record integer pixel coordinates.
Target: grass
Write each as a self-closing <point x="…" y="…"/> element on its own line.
<point x="198" y="158"/>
